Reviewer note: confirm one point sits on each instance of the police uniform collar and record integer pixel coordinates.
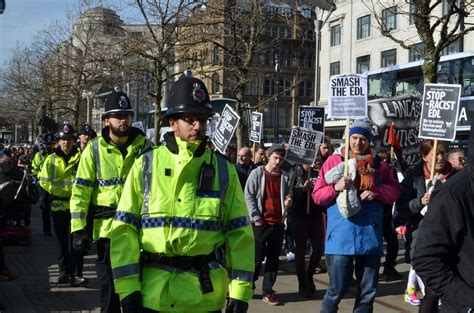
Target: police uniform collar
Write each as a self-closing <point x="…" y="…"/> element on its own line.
<point x="172" y="145"/>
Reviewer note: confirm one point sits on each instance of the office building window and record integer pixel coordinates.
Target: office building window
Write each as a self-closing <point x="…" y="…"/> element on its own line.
<point x="411" y="18"/>
<point x="415" y="52"/>
<point x="447" y="6"/>
<point x="268" y="87"/>
<point x="216" y="83"/>
<point x="363" y="27"/>
<point x="388" y="58"/>
<point x="305" y="89"/>
<point x="363" y="64"/>
<point x="335" y="68"/>
<point x="389" y="19"/>
<point x="453" y="47"/>
<point x="335" y="35"/>
<point x="216" y="55"/>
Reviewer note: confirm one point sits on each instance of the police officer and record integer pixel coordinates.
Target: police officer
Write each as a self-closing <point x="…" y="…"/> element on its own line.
<point x="105" y="163"/>
<point x="86" y="133"/>
<point x="48" y="143"/>
<point x="56" y="178"/>
<point x="180" y="203"/>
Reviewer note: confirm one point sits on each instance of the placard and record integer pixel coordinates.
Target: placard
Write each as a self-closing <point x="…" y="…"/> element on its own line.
<point x="225" y="129"/>
<point x="303" y="145"/>
<point x="256" y="127"/>
<point x="347" y="96"/>
<point x="439" y="111"/>
<point x="311" y="117"/>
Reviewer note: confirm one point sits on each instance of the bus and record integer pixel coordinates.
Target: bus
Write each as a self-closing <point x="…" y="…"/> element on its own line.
<point x="407" y="79"/>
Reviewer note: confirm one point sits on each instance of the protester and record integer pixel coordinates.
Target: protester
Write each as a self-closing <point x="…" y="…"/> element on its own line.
<point x="412" y="205"/>
<point x="56" y="178"/>
<point x="389" y="233"/>
<point x="181" y="202"/>
<point x="306" y="222"/>
<point x="444" y="252"/>
<point x="244" y="165"/>
<point x="357" y="238"/>
<point x="260" y="157"/>
<point x="456" y="158"/>
<point x="266" y="193"/>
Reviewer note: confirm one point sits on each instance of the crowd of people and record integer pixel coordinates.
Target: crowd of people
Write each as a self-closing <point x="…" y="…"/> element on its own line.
<point x="179" y="227"/>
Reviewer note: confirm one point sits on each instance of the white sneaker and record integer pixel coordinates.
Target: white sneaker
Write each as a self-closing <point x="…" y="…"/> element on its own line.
<point x="290" y="256"/>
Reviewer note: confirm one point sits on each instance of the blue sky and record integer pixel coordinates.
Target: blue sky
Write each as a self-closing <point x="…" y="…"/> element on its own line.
<point x="22" y="19"/>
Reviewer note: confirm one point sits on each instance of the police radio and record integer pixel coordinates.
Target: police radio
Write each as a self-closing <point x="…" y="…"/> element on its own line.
<point x="206" y="176"/>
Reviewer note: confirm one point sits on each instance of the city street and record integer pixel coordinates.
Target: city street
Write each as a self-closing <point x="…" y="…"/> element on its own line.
<point x="37" y="291"/>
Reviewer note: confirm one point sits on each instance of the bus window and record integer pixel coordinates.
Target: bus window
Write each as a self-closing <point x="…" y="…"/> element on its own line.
<point x="380" y="85"/>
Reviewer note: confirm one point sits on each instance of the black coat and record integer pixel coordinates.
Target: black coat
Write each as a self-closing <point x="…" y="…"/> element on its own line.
<point x="444" y="251"/>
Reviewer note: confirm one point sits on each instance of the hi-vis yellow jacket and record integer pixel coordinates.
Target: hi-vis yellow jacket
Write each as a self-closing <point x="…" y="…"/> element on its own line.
<point x="57" y="177"/>
<point x="162" y="211"/>
<point x="100" y="179"/>
<point x="38" y="161"/>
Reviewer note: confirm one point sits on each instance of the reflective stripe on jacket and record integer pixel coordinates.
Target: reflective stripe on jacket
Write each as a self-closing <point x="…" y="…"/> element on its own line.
<point x="100" y="179"/>
<point x="57" y="177"/>
<point x="161" y="211"/>
<point x="37" y="162"/>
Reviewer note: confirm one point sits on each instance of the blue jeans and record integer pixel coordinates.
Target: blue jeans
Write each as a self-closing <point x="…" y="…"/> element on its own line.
<point x="340" y="269"/>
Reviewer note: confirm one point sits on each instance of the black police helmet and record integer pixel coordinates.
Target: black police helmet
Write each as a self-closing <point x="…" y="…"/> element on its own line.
<point x="48" y="138"/>
<point x="117" y="103"/>
<point x="86" y="129"/>
<point x="188" y="95"/>
<point x="66" y="132"/>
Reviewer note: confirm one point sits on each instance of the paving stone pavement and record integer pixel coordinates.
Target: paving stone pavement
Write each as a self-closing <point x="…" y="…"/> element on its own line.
<point x="37" y="290"/>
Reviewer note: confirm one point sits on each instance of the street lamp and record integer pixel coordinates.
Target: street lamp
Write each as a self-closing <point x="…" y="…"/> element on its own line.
<point x="275" y="102"/>
<point x="87" y="95"/>
<point x="324" y="5"/>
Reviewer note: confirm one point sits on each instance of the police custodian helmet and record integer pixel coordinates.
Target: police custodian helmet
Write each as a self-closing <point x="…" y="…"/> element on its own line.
<point x="86" y="129"/>
<point x="188" y="95"/>
<point x="48" y="138"/>
<point x="117" y="102"/>
<point x="66" y="132"/>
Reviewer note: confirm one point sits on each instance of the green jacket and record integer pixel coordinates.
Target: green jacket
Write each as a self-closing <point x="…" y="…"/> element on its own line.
<point x="57" y="177"/>
<point x="100" y="178"/>
<point x="161" y="211"/>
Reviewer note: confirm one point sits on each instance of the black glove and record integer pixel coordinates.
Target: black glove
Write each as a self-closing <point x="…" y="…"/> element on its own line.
<point x="236" y="306"/>
<point x="132" y="303"/>
<point x="79" y="241"/>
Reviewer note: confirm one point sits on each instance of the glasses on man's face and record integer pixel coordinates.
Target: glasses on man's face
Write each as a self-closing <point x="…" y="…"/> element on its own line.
<point x="192" y="119"/>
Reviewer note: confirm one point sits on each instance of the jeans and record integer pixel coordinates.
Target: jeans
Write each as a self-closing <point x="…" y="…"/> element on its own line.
<point x="341" y="268"/>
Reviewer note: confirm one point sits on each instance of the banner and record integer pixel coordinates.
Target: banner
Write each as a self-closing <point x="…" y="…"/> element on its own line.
<point x="311" y="117"/>
<point x="225" y="129"/>
<point x="256" y="127"/>
<point x="303" y="145"/>
<point x="347" y="96"/>
<point x="439" y="111"/>
<point x="405" y="112"/>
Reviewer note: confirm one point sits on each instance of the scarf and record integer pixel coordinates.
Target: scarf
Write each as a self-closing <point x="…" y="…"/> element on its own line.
<point x="364" y="179"/>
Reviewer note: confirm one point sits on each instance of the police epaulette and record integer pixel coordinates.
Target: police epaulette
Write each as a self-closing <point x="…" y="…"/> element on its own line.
<point x="148" y="146"/>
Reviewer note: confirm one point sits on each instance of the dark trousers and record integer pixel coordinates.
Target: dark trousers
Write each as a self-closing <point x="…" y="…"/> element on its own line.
<point x="45" y="207"/>
<point x="109" y="300"/>
<point x="305" y="229"/>
<point x="268" y="242"/>
<point x="390" y="236"/>
<point x="289" y="240"/>
<point x="429" y="303"/>
<point x="70" y="262"/>
<point x="147" y="310"/>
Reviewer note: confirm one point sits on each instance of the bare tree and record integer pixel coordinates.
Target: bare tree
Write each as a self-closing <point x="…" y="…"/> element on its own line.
<point x="239" y="31"/>
<point x="439" y="23"/>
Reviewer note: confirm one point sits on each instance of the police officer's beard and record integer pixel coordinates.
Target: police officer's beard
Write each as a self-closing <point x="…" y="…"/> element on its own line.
<point x="119" y="133"/>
